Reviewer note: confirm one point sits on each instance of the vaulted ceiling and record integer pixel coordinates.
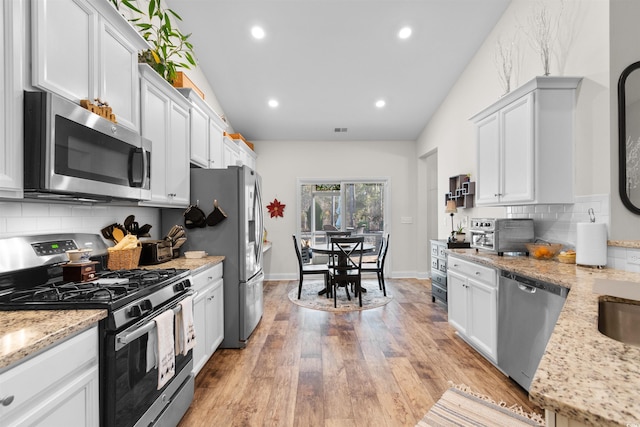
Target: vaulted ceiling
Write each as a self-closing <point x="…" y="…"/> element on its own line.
<point x="327" y="62"/>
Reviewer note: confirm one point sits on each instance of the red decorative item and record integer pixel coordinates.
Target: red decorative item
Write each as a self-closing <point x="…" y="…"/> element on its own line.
<point x="276" y="209"/>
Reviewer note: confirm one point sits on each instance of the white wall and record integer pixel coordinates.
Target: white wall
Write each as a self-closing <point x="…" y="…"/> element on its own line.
<point x="281" y="163"/>
<point x="625" y="35"/>
<point x="586" y="24"/>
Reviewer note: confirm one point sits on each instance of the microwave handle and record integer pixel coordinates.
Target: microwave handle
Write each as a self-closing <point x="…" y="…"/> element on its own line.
<point x="145" y="164"/>
<point x="145" y="167"/>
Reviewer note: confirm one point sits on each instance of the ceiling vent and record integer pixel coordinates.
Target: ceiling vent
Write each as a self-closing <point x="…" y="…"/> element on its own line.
<point x="340" y="130"/>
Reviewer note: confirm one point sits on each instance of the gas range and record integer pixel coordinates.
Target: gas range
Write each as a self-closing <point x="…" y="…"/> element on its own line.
<point x="34" y="275"/>
<point x="127" y="294"/>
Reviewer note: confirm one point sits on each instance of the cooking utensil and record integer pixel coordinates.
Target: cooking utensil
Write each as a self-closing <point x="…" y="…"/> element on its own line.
<point x="217" y="216"/>
<point x="118" y="233"/>
<point x="128" y="221"/>
<point x="107" y="232"/>
<point x="144" y="230"/>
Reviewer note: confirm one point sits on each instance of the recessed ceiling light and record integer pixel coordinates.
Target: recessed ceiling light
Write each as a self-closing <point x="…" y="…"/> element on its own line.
<point x="273" y="103"/>
<point x="380" y="103"/>
<point x="404" y="33"/>
<point x="257" y="32"/>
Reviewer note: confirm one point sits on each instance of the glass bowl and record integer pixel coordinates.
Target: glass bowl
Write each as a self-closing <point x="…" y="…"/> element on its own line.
<point x="543" y="250"/>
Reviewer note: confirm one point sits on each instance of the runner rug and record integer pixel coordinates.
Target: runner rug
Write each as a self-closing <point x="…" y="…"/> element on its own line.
<point x="459" y="406"/>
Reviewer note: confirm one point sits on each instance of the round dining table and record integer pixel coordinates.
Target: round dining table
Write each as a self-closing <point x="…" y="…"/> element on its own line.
<point x="327" y="249"/>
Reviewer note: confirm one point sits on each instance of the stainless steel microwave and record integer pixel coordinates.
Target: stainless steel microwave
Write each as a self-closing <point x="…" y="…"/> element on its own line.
<point x="71" y="153"/>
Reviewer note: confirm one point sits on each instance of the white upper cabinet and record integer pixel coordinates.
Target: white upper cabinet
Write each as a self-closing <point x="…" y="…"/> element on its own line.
<point x="85" y="50"/>
<point x="230" y="152"/>
<point x="525" y="145"/>
<point x="11" y="57"/>
<point x="165" y="121"/>
<point x="247" y="155"/>
<point x="207" y="129"/>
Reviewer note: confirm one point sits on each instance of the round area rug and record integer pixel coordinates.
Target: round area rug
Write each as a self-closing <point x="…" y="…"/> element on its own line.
<point x="310" y="299"/>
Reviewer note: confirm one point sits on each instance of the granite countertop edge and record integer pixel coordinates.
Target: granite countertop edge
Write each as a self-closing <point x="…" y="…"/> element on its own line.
<point x="196" y="265"/>
<point x="583" y="374"/>
<point x="27" y="332"/>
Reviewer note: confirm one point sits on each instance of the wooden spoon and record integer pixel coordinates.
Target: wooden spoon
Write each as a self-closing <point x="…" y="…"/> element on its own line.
<point x="118" y="234"/>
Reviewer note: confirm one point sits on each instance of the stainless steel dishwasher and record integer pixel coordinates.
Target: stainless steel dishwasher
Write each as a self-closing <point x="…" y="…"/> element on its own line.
<point x="528" y="310"/>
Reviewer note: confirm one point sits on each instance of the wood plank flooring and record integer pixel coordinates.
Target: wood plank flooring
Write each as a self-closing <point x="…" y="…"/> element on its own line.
<point x="381" y="367"/>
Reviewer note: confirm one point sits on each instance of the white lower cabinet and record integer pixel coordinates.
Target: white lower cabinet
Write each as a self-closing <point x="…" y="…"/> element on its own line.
<point x="473" y="304"/>
<point x="59" y="387"/>
<point x="208" y="314"/>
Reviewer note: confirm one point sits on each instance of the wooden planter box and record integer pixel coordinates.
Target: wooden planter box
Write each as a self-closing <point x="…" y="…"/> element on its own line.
<point x="183" y="81"/>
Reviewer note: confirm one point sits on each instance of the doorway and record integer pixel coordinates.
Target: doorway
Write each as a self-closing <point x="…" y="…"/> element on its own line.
<point x="431" y="164"/>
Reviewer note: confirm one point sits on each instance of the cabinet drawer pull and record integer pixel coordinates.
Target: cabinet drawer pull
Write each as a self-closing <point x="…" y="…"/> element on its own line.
<point x="7" y="400"/>
<point x="477" y="273"/>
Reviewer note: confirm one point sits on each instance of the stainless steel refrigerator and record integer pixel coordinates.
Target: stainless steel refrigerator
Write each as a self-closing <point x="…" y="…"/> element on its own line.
<point x="238" y="238"/>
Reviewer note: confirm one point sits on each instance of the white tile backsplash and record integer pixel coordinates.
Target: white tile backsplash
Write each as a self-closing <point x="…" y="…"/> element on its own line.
<point x="557" y="223"/>
<point x="27" y="218"/>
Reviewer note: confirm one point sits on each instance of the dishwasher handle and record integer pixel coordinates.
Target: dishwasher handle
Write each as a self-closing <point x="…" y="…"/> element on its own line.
<point x="529" y="282"/>
<point x="528" y="289"/>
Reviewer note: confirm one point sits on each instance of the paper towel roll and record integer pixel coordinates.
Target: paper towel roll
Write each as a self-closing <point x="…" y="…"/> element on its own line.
<point x="591" y="244"/>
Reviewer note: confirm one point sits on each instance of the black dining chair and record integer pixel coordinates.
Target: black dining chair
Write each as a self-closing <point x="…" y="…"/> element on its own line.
<point x="344" y="266"/>
<point x="378" y="266"/>
<point x="308" y="269"/>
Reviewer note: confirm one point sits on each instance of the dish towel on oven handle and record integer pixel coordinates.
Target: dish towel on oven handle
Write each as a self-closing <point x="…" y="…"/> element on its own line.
<point x="166" y="356"/>
<point x="185" y="329"/>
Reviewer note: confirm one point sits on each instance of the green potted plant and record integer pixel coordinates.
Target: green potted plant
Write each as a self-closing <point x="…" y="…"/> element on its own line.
<point x="170" y="49"/>
<point x="460" y="234"/>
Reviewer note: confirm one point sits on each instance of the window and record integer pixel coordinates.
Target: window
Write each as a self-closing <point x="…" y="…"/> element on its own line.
<point x="356" y="206"/>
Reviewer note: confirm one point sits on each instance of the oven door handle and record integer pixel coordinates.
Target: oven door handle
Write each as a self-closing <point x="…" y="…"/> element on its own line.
<point x="134" y="332"/>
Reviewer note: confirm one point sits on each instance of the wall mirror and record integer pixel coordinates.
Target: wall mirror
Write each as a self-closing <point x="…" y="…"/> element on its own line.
<point x="629" y="137"/>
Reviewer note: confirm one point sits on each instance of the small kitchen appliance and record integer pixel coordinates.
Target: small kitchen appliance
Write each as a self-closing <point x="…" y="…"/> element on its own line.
<point x="155" y="252"/>
<point x="31" y="278"/>
<point x="501" y="235"/>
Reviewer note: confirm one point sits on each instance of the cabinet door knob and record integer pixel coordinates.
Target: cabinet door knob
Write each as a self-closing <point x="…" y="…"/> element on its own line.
<point x="477" y="273"/>
<point x="7" y="400"/>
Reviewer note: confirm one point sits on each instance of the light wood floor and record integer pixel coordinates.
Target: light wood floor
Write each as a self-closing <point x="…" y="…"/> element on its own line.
<point x="380" y="367"/>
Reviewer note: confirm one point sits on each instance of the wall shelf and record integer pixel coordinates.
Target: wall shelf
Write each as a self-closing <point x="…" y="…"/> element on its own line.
<point x="462" y="190"/>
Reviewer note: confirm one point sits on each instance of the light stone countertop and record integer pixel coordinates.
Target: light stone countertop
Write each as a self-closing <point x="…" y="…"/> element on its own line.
<point x="24" y="333"/>
<point x="193" y="264"/>
<point x="624" y="243"/>
<point x="583" y="374"/>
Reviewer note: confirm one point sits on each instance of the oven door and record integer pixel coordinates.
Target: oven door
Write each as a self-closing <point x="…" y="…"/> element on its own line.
<point x="132" y="397"/>
<point x="482" y="239"/>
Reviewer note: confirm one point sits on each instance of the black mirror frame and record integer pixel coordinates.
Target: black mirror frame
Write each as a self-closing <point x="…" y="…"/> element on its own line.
<point x="622" y="139"/>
